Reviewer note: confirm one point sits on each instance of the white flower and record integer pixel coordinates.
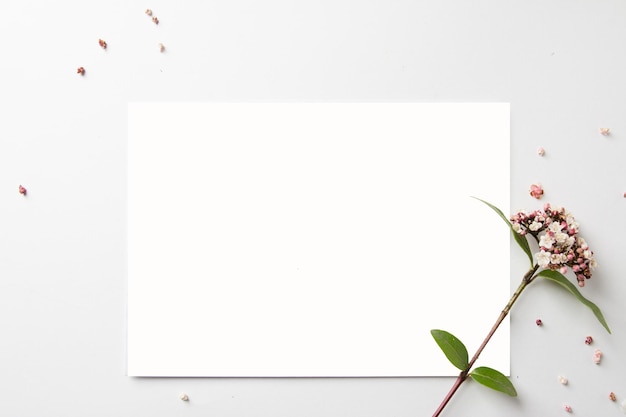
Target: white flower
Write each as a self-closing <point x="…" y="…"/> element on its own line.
<point x="534" y="226"/>
<point x="555" y="227"/>
<point x="545" y="241"/>
<point x="543" y="258"/>
<point x="570" y="241"/>
<point x="557" y="258"/>
<point x="560" y="238"/>
<point x="516" y="227"/>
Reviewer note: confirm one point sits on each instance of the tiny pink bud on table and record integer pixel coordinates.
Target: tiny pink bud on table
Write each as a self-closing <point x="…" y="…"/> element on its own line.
<point x="538" y="322"/>
<point x="541" y="151"/>
<point x="605" y="131"/>
<point x="536" y="191"/>
<point x="597" y="356"/>
<point x="567" y="408"/>
<point x="22" y="190"/>
<point x="588" y="340"/>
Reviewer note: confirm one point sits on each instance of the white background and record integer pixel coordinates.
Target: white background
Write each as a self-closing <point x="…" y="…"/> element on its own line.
<point x="62" y="301"/>
<point x="301" y="239"/>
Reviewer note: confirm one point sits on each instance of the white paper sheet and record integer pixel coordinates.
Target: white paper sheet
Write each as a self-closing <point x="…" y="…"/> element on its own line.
<point x="314" y="239"/>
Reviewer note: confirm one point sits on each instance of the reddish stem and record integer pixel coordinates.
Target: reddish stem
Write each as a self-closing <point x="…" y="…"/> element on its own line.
<point x="528" y="278"/>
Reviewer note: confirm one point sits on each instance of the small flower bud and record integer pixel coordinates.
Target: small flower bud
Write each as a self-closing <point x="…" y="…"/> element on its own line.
<point x="541" y="151"/>
<point x="80" y="71"/>
<point x="538" y="322"/>
<point x="567" y="408"/>
<point x="597" y="356"/>
<point x="184" y="397"/>
<point x="536" y="191"/>
<point x="22" y="190"/>
<point x="161" y="47"/>
<point x="604" y="131"/>
<point x="155" y="20"/>
<point x="588" y="340"/>
<point x="102" y="44"/>
<point x="612" y="396"/>
<point x="149" y="12"/>
<point x="563" y="380"/>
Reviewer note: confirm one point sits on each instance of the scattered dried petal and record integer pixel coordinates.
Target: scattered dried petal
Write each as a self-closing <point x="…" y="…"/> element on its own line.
<point x="563" y="380"/>
<point x="536" y="191"/>
<point x="149" y="12"/>
<point x="161" y="47"/>
<point x="155" y="20"/>
<point x="612" y="396"/>
<point x="102" y="44"/>
<point x="597" y="356"/>
<point x="184" y="397"/>
<point x="538" y="322"/>
<point x="80" y="71"/>
<point x="605" y="131"/>
<point x="588" y="340"/>
<point x="541" y="151"/>
<point x="22" y="190"/>
<point x="567" y="408"/>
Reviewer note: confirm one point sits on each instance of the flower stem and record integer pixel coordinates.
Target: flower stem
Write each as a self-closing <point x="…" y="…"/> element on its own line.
<point x="528" y="278"/>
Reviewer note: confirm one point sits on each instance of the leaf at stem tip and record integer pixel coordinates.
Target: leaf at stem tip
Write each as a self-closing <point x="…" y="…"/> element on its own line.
<point x="452" y="347"/>
<point x="494" y="380"/>
<point x="521" y="240"/>
<point x="556" y="276"/>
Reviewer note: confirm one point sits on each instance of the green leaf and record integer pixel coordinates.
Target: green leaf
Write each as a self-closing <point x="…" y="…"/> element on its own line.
<point x="494" y="380"/>
<point x="560" y="279"/>
<point x="452" y="347"/>
<point x="521" y="240"/>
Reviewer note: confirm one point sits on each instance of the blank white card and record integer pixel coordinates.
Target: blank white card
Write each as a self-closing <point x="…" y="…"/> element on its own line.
<point x="314" y="239"/>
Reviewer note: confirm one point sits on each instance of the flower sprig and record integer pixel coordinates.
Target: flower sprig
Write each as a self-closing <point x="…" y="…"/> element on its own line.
<point x="556" y="232"/>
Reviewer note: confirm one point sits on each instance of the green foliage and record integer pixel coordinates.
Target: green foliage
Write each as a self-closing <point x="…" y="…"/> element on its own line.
<point x="494" y="380"/>
<point x="521" y="240"/>
<point x="560" y="279"/>
<point x="452" y="347"/>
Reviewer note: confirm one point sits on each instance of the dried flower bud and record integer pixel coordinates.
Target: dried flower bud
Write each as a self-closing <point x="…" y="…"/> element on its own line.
<point x="612" y="396"/>
<point x="149" y="12"/>
<point x="80" y="71"/>
<point x="102" y="44"/>
<point x="541" y="151"/>
<point x="563" y="380"/>
<point x="184" y="397"/>
<point x="22" y="190"/>
<point x="597" y="356"/>
<point x="605" y="131"/>
<point x="588" y="340"/>
<point x="567" y="408"/>
<point x="161" y="47"/>
<point x="536" y="191"/>
<point x="538" y="322"/>
<point x="155" y="20"/>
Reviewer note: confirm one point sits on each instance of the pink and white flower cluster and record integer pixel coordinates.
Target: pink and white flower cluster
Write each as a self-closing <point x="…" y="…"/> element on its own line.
<point x="560" y="247"/>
